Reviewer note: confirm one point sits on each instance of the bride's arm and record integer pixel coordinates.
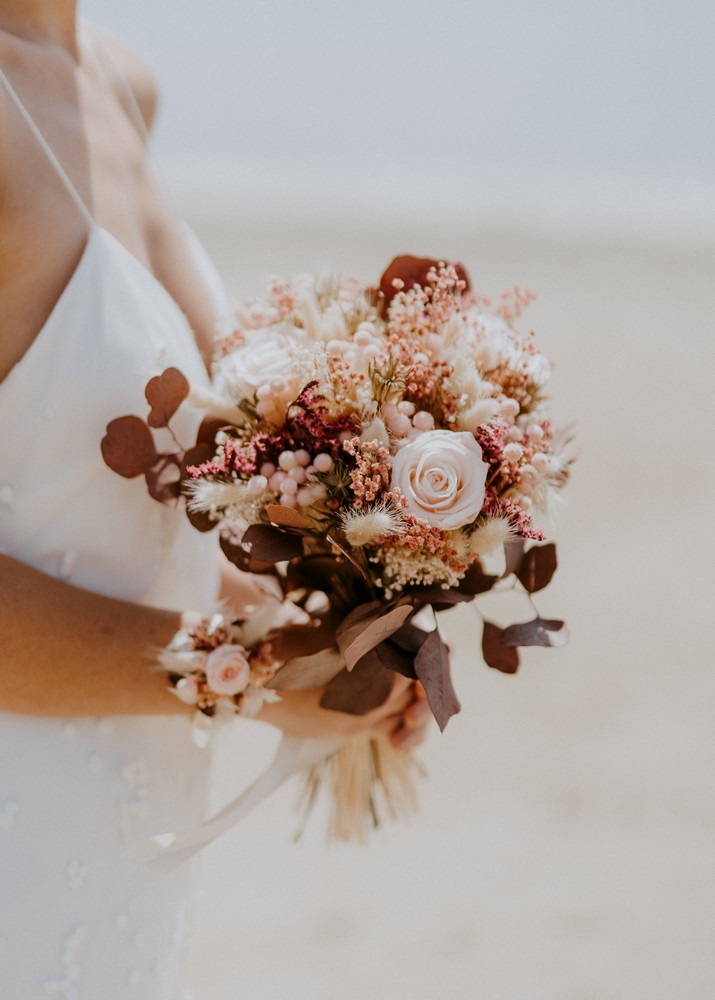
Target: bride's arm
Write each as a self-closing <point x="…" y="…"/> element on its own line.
<point x="66" y="651"/>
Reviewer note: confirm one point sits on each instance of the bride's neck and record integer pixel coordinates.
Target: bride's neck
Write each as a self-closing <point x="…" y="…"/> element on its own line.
<point x="53" y="21"/>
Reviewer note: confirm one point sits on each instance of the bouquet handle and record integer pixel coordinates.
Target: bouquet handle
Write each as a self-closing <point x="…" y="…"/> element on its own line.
<point x="165" y="852"/>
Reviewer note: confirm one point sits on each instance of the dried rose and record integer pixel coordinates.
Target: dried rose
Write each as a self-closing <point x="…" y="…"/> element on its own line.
<point x="227" y="670"/>
<point x="412" y="271"/>
<point x="442" y="474"/>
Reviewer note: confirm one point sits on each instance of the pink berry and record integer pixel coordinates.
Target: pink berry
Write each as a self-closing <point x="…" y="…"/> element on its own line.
<point x="400" y="425"/>
<point x="257" y="485"/>
<point x="423" y="421"/>
<point x="287" y="460"/>
<point x="302" y="457"/>
<point x="323" y="463"/>
<point x="513" y="452"/>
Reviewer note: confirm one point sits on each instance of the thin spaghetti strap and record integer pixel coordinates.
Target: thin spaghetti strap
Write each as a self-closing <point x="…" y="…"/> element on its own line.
<point x="29" y="121"/>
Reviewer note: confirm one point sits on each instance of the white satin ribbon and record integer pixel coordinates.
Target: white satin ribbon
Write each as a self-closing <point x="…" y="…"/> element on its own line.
<point x="167" y="851"/>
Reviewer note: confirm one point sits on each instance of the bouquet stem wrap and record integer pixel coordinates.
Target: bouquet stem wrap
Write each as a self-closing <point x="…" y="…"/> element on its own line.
<point x="366" y="778"/>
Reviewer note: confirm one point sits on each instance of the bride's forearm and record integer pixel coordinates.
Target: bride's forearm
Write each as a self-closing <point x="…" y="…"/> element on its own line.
<point x="66" y="651"/>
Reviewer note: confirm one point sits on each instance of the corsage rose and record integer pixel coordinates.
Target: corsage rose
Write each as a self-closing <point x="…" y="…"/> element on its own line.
<point x="227" y="670"/>
<point x="442" y="474"/>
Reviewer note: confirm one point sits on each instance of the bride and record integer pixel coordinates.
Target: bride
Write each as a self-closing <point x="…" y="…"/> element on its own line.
<point x="98" y="293"/>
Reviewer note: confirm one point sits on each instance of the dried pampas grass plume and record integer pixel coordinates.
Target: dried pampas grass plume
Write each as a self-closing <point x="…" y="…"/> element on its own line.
<point x="208" y="495"/>
<point x="480" y="412"/>
<point x="361" y="527"/>
<point x="490" y="535"/>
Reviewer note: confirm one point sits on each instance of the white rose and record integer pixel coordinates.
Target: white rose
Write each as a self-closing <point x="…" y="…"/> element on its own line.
<point x="442" y="476"/>
<point x="266" y="355"/>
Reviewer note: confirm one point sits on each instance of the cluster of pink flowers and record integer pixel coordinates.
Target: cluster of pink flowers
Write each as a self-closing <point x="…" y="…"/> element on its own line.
<point x="407" y="423"/>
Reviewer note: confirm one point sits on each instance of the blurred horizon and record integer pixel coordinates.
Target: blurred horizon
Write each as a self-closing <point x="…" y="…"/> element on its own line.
<point x="586" y="118"/>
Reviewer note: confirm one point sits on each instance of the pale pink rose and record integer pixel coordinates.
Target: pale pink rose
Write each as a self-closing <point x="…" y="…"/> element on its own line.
<point x="442" y="476"/>
<point x="227" y="670"/>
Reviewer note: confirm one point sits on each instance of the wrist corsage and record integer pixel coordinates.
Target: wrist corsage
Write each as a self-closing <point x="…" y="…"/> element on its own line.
<point x="221" y="665"/>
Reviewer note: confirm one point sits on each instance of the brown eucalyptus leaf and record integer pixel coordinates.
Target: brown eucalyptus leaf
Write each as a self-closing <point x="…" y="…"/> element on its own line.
<point x="476" y="581"/>
<point x="409" y="637"/>
<point x="236" y="554"/>
<point x="200" y="520"/>
<point x="165" y="393"/>
<point x="440" y="599"/>
<point x="305" y="672"/>
<point x="357" y="691"/>
<point x="288" y="518"/>
<point x="513" y="554"/>
<point x="271" y="545"/>
<point x="432" y="669"/>
<point x="496" y="653"/>
<point x="163" y="480"/>
<point x="539" y="632"/>
<point x="401" y="661"/>
<point x="315" y="572"/>
<point x="197" y="455"/>
<point x="537" y="567"/>
<point x="128" y="447"/>
<point x="367" y="626"/>
<point x="292" y="641"/>
<point x="206" y="434"/>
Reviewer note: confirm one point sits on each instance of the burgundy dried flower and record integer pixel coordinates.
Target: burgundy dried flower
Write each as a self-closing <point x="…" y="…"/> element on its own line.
<point x="412" y="271"/>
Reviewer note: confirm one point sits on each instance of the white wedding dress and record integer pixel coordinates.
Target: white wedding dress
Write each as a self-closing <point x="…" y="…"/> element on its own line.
<point x="78" y="919"/>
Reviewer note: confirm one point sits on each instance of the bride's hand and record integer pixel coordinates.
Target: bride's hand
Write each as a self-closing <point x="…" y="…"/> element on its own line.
<point x="402" y="716"/>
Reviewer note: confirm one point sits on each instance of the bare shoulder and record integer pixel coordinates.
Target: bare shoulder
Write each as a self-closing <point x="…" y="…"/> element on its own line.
<point x="127" y="69"/>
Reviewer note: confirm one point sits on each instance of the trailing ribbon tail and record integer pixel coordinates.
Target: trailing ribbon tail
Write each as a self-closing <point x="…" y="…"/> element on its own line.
<point x="165" y="852"/>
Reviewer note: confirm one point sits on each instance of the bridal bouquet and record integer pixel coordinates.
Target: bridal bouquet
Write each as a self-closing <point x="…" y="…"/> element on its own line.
<point x="374" y="448"/>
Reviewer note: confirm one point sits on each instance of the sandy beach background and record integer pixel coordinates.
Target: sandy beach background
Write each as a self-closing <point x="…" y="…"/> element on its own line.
<point x="564" y="849"/>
